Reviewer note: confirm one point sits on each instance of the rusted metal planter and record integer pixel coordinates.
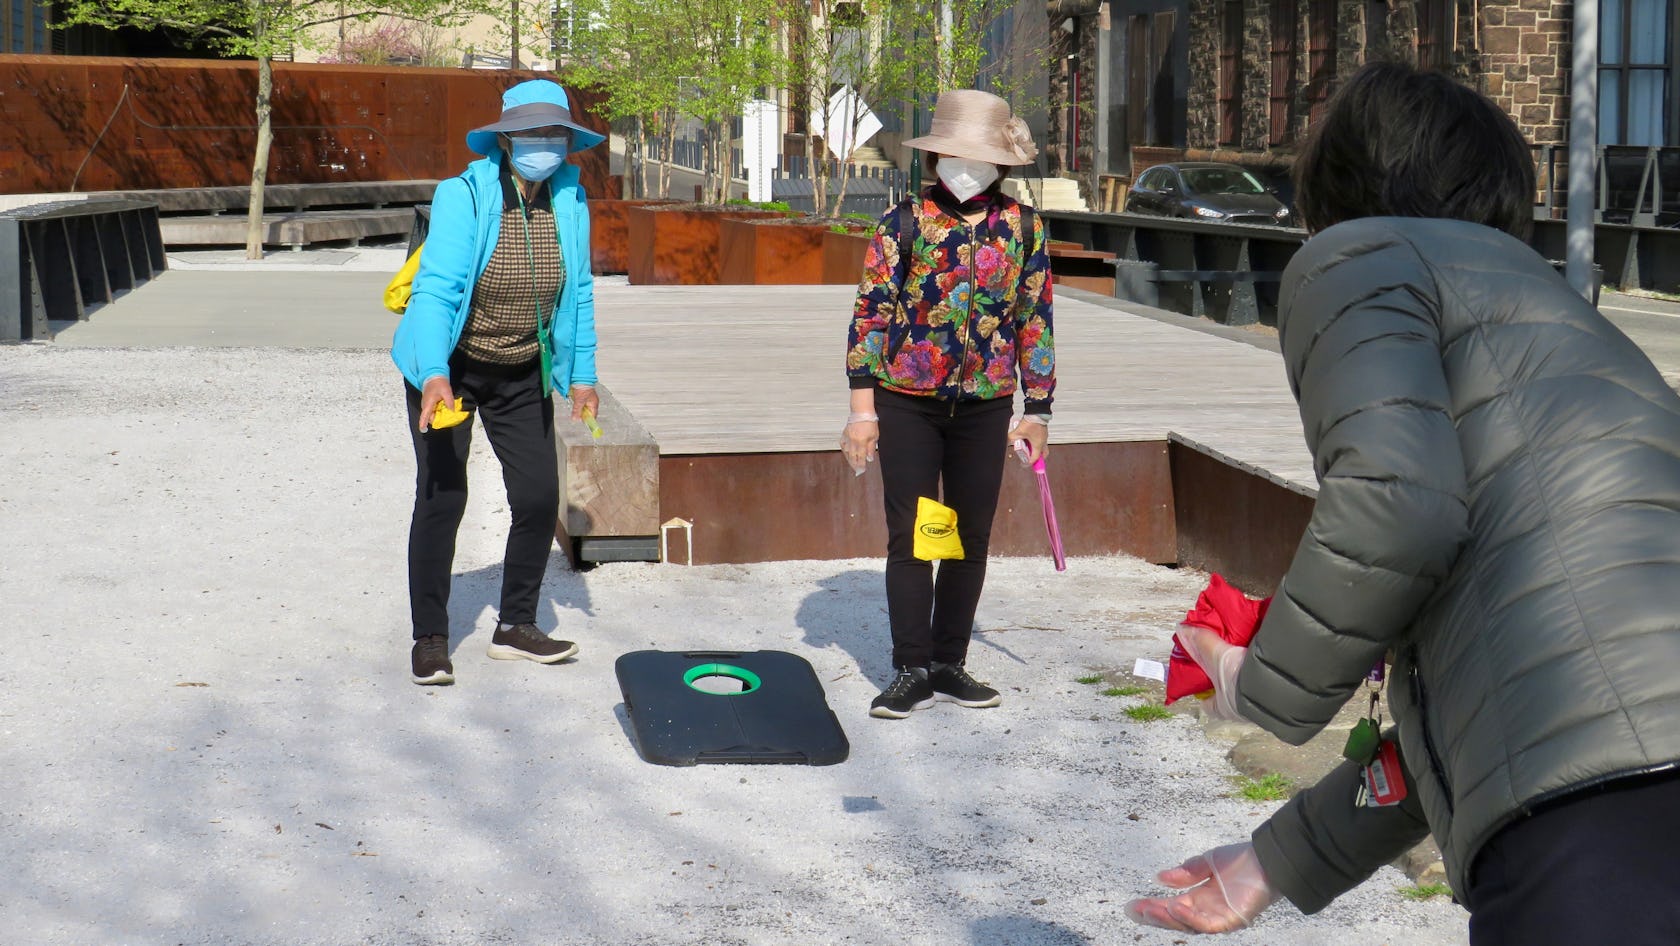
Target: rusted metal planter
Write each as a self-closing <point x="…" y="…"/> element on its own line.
<point x="843" y="255"/>
<point x="678" y="244"/>
<point x="609" y="233"/>
<point x="771" y="252"/>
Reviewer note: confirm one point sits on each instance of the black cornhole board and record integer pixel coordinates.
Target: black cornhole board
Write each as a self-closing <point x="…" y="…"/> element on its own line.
<point x="785" y="720"/>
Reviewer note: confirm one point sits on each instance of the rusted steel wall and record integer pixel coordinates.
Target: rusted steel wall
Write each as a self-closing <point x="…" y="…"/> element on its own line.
<point x="1235" y="519"/>
<point x="1110" y="497"/>
<point x="89" y="123"/>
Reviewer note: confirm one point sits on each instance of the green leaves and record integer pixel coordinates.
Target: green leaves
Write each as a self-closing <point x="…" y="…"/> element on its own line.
<point x="259" y="28"/>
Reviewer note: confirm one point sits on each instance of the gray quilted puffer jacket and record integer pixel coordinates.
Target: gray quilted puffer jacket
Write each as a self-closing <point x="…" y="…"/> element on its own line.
<point x="1499" y="508"/>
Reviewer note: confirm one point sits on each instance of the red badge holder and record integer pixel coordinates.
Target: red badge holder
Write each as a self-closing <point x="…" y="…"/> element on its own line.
<point x="1385" y="782"/>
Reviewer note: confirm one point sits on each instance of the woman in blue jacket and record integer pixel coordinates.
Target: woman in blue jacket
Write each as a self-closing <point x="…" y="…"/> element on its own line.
<point x="502" y="313"/>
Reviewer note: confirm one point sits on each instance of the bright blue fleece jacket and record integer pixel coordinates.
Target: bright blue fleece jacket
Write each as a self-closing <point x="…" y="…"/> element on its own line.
<point x="466" y="222"/>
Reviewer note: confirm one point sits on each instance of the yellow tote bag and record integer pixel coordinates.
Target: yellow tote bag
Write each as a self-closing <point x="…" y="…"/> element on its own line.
<point x="936" y="531"/>
<point x="401" y="285"/>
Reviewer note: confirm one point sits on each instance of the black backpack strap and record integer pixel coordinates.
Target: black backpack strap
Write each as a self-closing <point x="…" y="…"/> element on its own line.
<point x="906" y="241"/>
<point x="1027" y="215"/>
<point x="907" y="233"/>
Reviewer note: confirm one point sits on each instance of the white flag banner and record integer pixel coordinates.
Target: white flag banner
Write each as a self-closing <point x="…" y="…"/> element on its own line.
<point x="851" y="121"/>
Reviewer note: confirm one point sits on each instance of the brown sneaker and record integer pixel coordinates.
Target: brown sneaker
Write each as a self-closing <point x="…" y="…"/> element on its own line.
<point x="525" y="642"/>
<point x="430" y="661"/>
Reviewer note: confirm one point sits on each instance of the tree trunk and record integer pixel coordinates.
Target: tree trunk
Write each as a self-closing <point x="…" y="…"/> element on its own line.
<point x="259" y="161"/>
<point x="840" y="197"/>
<point x="813" y="166"/>
<point x="669" y="135"/>
<point x="714" y="181"/>
<point x="636" y="180"/>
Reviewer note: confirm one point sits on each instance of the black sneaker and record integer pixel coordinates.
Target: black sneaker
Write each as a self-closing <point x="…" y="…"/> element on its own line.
<point x="908" y="692"/>
<point x="951" y="683"/>
<point x="430" y="661"/>
<point x="525" y="642"/>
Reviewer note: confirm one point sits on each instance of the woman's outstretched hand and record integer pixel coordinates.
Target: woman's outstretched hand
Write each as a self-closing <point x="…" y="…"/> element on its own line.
<point x="1227" y="890"/>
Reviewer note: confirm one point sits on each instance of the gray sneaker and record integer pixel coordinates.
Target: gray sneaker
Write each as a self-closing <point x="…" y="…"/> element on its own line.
<point x="525" y="642"/>
<point x="429" y="661"/>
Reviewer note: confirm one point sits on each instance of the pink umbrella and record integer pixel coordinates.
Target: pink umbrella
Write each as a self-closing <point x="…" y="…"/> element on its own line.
<point x="1049" y="515"/>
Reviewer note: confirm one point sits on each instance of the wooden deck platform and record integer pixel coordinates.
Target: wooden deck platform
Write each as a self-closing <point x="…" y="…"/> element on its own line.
<point x="750" y="369"/>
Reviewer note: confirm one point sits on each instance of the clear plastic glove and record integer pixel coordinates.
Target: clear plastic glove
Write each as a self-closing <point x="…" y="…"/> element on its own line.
<point x="1228" y="889"/>
<point x="1035" y="433"/>
<point x="1221" y="661"/>
<point x="859" y="440"/>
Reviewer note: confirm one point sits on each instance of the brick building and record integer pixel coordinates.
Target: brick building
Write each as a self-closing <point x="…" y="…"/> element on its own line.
<point x="1241" y="79"/>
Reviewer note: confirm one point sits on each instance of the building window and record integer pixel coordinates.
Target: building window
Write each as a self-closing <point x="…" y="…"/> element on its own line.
<point x="1150" y="90"/>
<point x="1230" y="72"/>
<point x="1376" y="27"/>
<point x="1435" y="33"/>
<point x="1283" y="70"/>
<point x="1633" y="74"/>
<point x="38" y="42"/>
<point x="1321" y="54"/>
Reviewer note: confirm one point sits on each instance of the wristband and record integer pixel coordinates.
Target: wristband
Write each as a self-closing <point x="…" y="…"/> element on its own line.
<point x="857" y="418"/>
<point x="1043" y="420"/>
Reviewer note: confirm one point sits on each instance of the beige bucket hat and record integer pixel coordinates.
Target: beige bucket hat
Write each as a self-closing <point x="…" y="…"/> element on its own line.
<point x="968" y="123"/>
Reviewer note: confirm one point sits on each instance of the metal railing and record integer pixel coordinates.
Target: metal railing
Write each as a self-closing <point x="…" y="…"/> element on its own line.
<point x="58" y="259"/>
<point x="1224" y="271"/>
<point x="1630" y="187"/>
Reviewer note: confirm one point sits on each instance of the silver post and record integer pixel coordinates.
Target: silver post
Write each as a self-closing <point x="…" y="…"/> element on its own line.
<point x="1583" y="150"/>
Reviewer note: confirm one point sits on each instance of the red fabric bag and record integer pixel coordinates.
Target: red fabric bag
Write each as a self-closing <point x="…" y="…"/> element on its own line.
<point x="1227" y="612"/>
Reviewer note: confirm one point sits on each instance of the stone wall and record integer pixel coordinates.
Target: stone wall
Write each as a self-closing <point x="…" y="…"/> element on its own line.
<point x="1524" y="65"/>
<point x="1518" y="54"/>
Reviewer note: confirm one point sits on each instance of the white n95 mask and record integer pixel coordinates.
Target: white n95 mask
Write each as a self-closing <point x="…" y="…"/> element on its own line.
<point x="965" y="178"/>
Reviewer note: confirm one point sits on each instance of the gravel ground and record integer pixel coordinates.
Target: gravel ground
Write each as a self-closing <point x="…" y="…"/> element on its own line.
<point x="242" y="760"/>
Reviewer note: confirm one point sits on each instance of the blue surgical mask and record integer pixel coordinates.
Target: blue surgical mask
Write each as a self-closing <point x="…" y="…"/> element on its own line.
<point x="536" y="159"/>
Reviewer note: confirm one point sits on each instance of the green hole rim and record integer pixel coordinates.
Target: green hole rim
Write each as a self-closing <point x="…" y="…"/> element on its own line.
<point x="722" y="670"/>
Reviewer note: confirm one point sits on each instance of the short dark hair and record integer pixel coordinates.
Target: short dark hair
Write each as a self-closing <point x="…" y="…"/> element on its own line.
<point x="1398" y="142"/>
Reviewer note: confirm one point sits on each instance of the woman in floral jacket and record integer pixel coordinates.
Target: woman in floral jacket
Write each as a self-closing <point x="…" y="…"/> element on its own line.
<point x="952" y="316"/>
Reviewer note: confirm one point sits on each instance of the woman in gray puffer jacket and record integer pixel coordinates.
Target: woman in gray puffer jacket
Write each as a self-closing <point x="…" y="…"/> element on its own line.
<point x="1499" y="512"/>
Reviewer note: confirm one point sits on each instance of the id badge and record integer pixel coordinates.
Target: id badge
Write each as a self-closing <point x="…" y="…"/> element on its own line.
<point x="1385" y="783"/>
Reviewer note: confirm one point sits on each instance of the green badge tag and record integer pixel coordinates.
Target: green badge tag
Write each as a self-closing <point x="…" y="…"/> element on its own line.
<point x="1362" y="742"/>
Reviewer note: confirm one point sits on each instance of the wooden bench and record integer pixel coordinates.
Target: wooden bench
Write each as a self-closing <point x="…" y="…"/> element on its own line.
<point x="1071" y="264"/>
<point x="609" y="487"/>
<point x="295" y="197"/>
<point x="295" y="230"/>
<point x="295" y="215"/>
<point x="59" y="258"/>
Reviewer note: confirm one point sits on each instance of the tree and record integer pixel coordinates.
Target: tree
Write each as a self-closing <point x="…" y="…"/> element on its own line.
<point x="623" y="49"/>
<point x="832" y="46"/>
<point x="980" y="44"/>
<point x="727" y="56"/>
<point x="262" y="30"/>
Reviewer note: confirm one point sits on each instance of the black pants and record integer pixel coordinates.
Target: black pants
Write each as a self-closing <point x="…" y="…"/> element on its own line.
<point x="519" y="421"/>
<point x="926" y="445"/>
<point x="1600" y="867"/>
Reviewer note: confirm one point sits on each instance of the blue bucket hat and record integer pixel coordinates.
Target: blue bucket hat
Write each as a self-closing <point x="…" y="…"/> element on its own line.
<point x="537" y="103"/>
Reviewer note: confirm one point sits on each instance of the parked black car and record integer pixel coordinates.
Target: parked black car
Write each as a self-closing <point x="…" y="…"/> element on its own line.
<point x="1207" y="191"/>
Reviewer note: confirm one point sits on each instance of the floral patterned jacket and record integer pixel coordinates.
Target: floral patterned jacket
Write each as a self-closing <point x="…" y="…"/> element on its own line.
<point x="976" y="308"/>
